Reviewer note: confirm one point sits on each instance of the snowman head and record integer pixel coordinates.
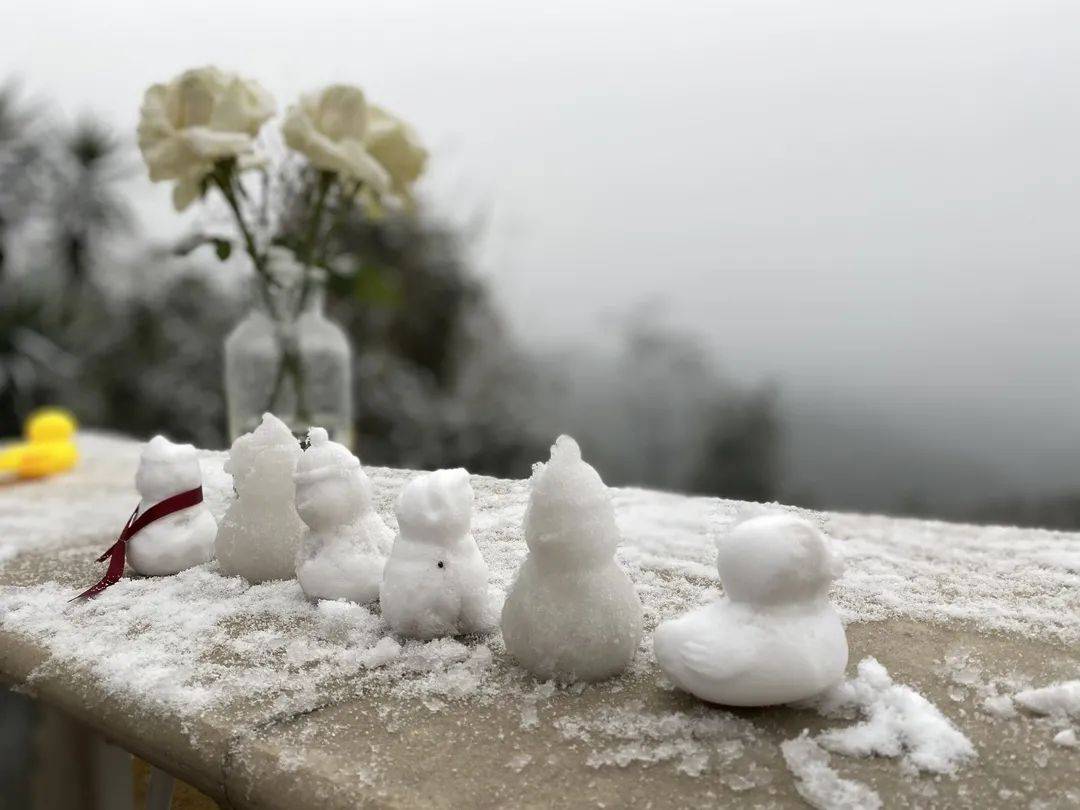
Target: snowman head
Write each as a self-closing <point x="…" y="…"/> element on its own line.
<point x="167" y="469"/>
<point x="570" y="520"/>
<point x="436" y="507"/>
<point x="331" y="488"/>
<point x="271" y="433"/>
<point x="773" y="559"/>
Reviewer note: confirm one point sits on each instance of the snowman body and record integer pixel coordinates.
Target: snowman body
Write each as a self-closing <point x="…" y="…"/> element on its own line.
<point x="182" y="539"/>
<point x="572" y="625"/>
<point x="343" y="552"/>
<point x="773" y="637"/>
<point x="572" y="613"/>
<point x="346" y="562"/>
<point x="260" y="533"/>
<point x="436" y="580"/>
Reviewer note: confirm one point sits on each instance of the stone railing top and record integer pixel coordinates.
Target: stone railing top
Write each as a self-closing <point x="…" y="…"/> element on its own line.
<point x="261" y="698"/>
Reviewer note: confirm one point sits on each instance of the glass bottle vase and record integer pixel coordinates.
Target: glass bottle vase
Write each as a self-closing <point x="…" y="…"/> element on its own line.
<point x="296" y="366"/>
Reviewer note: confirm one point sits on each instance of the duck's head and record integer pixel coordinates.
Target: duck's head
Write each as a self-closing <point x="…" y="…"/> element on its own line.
<point x="775" y="559"/>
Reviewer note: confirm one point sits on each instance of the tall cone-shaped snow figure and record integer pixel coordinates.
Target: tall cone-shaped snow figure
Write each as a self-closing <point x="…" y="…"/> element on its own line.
<point x="572" y="612"/>
<point x="436" y="581"/>
<point x="260" y="534"/>
<point x="181" y="539"/>
<point x="773" y="637"/>
<point x="344" y="550"/>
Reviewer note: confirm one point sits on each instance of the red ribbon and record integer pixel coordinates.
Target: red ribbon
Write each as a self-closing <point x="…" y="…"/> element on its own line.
<point x="118" y="550"/>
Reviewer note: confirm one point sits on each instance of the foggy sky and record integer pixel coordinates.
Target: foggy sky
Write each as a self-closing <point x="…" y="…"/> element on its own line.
<point x="876" y="205"/>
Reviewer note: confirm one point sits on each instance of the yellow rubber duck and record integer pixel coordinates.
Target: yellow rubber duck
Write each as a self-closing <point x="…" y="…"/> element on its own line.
<point x="49" y="447"/>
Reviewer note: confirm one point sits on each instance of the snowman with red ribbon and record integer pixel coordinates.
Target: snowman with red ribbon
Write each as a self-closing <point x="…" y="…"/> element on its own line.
<point x="172" y="528"/>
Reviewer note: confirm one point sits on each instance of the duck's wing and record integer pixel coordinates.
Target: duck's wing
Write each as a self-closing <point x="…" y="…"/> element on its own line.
<point x="727" y="656"/>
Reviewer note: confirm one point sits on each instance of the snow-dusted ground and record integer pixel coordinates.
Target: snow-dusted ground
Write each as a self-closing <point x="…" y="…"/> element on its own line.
<point x="199" y="643"/>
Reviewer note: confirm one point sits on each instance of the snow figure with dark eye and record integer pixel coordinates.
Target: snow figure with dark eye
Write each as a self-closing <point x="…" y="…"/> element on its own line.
<point x="436" y="581"/>
<point x="343" y="552"/>
<point x="572" y="612"/>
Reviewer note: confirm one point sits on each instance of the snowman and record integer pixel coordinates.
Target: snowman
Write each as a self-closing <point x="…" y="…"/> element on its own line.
<point x="436" y="581"/>
<point x="572" y="613"/>
<point x="260" y="534"/>
<point x="182" y="538"/>
<point x="344" y="549"/>
<point x="773" y="637"/>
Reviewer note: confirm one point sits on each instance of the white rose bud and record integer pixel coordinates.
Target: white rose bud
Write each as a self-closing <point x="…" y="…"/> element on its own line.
<point x="328" y="128"/>
<point x="203" y="116"/>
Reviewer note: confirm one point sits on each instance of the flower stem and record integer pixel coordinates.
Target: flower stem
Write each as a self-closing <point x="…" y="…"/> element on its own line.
<point x="291" y="361"/>
<point x="326" y="180"/>
<point x="345" y="202"/>
<point x="223" y="180"/>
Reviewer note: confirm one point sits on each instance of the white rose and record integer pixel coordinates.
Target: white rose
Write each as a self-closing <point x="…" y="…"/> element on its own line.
<point x="203" y="116"/>
<point x="396" y="146"/>
<point x="328" y="128"/>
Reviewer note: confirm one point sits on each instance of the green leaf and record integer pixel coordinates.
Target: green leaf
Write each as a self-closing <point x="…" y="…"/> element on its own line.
<point x="374" y="285"/>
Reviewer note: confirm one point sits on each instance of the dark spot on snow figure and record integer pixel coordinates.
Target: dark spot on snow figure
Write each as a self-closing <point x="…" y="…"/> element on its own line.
<point x="441" y="564"/>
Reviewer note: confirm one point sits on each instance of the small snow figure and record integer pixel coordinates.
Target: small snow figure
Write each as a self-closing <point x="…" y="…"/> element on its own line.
<point x="572" y="612"/>
<point x="773" y="637"/>
<point x="436" y="581"/>
<point x="260" y="534"/>
<point x="178" y="540"/>
<point x="343" y="552"/>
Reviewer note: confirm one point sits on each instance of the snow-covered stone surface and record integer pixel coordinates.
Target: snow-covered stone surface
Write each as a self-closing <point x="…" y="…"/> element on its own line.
<point x="262" y="698"/>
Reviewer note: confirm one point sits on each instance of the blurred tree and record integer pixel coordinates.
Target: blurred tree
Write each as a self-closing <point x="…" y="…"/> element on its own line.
<point x="33" y="364"/>
<point x="153" y="364"/>
<point x="34" y="369"/>
<point x="438" y="379"/>
<point x="739" y="450"/>
<point x="21" y="156"/>
<point x="1060" y="511"/>
<point x="85" y="204"/>
<point x="660" y="414"/>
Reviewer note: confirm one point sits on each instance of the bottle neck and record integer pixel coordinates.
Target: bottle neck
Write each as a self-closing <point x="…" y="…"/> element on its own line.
<point x="316" y="297"/>
<point x="284" y="304"/>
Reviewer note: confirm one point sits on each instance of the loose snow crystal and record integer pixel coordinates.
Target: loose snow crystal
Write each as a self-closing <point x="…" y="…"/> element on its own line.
<point x="1067" y="739"/>
<point x="182" y="539"/>
<point x="819" y="784"/>
<point x="1059" y="699"/>
<point x="898" y="721"/>
<point x="343" y="552"/>
<point x="773" y="637"/>
<point x="1000" y="706"/>
<point x="436" y="581"/>
<point x="572" y="612"/>
<point x="260" y="534"/>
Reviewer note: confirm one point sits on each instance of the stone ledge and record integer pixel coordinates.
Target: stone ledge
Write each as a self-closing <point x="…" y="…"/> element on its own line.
<point x="295" y="711"/>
